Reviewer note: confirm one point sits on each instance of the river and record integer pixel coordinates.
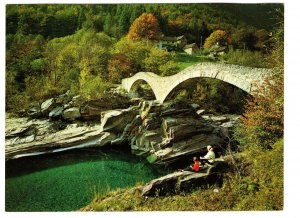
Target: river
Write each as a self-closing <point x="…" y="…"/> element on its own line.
<point x="69" y="180"/>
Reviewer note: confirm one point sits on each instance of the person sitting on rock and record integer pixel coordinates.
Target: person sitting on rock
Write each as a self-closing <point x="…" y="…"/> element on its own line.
<point x="209" y="157"/>
<point x="195" y="167"/>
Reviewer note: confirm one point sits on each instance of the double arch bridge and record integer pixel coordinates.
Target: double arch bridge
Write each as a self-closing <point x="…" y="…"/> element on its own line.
<point x="245" y="78"/>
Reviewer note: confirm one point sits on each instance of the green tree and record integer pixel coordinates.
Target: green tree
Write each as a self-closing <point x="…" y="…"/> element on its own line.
<point x="169" y="68"/>
<point x="123" y="22"/>
<point x="156" y="59"/>
<point x="91" y="86"/>
<point x="107" y="23"/>
<point x="244" y="38"/>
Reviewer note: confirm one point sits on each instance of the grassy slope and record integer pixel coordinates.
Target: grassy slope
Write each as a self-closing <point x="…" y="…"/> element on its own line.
<point x="185" y="60"/>
<point x="257" y="186"/>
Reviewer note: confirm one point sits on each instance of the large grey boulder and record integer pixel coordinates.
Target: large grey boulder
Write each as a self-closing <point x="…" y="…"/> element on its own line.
<point x="116" y="120"/>
<point x="91" y="110"/>
<point x="47" y="106"/>
<point x="71" y="114"/>
<point x="56" y="112"/>
<point x="35" y="112"/>
<point x="170" y="132"/>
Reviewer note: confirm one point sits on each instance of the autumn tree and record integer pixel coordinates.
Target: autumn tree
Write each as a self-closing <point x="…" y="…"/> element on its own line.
<point x="146" y="27"/>
<point x="218" y="36"/>
<point x="119" y="67"/>
<point x="262" y="122"/>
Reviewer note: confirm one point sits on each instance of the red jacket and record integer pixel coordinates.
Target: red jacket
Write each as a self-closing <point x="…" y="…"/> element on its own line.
<point x="196" y="166"/>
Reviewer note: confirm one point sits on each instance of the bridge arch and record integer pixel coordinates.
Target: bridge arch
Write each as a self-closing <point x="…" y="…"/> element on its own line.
<point x="134" y="89"/>
<point x="201" y="80"/>
<point x="245" y="78"/>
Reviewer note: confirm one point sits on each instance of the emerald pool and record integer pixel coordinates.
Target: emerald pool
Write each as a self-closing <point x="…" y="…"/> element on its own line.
<point x="69" y="180"/>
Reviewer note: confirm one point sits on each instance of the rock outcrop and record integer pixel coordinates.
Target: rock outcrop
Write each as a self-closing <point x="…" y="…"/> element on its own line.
<point x="167" y="132"/>
<point x="70" y="108"/>
<point x="162" y="133"/>
<point x="32" y="137"/>
<point x="186" y="180"/>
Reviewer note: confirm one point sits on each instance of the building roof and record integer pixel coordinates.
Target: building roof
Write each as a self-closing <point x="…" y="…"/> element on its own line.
<point x="180" y="37"/>
<point x="172" y="38"/>
<point x="193" y="45"/>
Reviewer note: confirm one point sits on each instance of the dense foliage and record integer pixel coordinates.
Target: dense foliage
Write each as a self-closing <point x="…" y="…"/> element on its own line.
<point x="54" y="48"/>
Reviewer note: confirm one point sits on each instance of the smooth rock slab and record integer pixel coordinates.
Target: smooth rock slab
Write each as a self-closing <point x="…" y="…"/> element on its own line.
<point x="184" y="181"/>
<point x="71" y="137"/>
<point x="56" y="112"/>
<point x="71" y="113"/>
<point x="47" y="106"/>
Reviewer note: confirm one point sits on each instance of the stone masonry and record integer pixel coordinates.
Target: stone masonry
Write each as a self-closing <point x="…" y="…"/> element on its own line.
<point x="245" y="78"/>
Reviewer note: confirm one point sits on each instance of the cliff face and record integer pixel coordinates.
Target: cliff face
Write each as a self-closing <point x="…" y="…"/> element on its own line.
<point x="163" y="133"/>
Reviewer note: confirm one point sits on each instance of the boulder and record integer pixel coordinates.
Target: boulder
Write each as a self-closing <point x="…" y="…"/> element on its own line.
<point x="47" y="106"/>
<point x="35" y="112"/>
<point x="77" y="101"/>
<point x="200" y="111"/>
<point x="116" y="120"/>
<point x="56" y="112"/>
<point x="170" y="132"/>
<point x="91" y="110"/>
<point x="64" y="98"/>
<point x="71" y="114"/>
<point x="185" y="181"/>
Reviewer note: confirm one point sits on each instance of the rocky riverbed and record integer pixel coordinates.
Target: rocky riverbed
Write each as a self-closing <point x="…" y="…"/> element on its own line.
<point x="162" y="133"/>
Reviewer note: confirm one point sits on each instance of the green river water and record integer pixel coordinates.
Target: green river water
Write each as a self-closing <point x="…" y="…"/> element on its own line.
<point x="67" y="181"/>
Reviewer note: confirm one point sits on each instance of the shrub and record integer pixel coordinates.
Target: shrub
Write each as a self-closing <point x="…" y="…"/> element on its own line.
<point x="169" y="68"/>
<point x="245" y="58"/>
<point x="156" y="59"/>
<point x="93" y="87"/>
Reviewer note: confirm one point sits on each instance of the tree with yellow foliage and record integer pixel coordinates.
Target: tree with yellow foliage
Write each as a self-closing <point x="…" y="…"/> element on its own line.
<point x="218" y="36"/>
<point x="146" y="27"/>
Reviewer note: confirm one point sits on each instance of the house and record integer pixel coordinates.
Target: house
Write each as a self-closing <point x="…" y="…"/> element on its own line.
<point x="191" y="48"/>
<point x="172" y="43"/>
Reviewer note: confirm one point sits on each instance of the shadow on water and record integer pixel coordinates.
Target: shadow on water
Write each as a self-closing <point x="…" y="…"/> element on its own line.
<point x="29" y="164"/>
<point x="69" y="180"/>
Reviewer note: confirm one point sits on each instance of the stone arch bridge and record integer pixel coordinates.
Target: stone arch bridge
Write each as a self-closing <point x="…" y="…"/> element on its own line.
<point x="245" y="78"/>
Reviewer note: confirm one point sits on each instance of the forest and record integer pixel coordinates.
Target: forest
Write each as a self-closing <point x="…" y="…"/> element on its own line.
<point x="87" y="48"/>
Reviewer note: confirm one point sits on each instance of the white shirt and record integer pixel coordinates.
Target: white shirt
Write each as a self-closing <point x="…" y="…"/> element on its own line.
<point x="210" y="156"/>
